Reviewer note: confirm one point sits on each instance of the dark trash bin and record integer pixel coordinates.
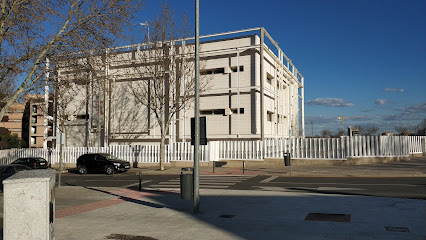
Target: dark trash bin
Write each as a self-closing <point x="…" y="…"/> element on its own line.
<point x="287" y="159"/>
<point x="186" y="183"/>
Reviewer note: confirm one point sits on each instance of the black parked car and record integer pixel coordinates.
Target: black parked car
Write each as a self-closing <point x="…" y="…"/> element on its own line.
<point x="33" y="162"/>
<point x="10" y="169"/>
<point x="101" y="162"/>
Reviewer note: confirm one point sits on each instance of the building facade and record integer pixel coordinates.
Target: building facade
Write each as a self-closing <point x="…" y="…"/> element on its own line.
<point x="12" y="120"/>
<point x="253" y="92"/>
<point x="34" y="125"/>
<point x="27" y="121"/>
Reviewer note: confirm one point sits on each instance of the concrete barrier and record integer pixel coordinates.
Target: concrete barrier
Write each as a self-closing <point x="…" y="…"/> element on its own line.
<point x="29" y="205"/>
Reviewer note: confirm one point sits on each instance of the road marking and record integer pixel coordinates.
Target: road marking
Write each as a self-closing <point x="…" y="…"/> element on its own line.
<point x="269" y="179"/>
<point x="339" y="189"/>
<point x="136" y="184"/>
<point x="206" y="182"/>
<point x="351" y="184"/>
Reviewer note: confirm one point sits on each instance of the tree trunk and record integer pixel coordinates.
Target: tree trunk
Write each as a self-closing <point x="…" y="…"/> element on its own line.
<point x="162" y="145"/>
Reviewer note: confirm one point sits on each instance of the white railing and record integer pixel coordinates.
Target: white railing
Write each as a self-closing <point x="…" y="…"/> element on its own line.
<point x="146" y="153"/>
<point x="308" y="148"/>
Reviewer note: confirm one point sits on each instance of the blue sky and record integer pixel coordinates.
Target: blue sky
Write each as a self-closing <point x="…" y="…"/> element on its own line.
<point x="359" y="57"/>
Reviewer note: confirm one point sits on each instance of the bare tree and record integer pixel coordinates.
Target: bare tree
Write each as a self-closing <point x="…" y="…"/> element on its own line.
<point x="32" y="30"/>
<point x="421" y="128"/>
<point x="338" y="133"/>
<point x="403" y="130"/>
<point x="326" y="133"/>
<point x="367" y="130"/>
<point x="167" y="82"/>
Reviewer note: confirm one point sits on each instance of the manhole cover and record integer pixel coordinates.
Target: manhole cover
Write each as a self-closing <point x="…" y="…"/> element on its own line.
<point x="128" y="237"/>
<point x="227" y="216"/>
<point x="328" y="217"/>
<point x="397" y="229"/>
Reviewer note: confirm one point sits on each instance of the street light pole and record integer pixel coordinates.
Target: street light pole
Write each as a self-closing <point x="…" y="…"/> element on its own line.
<point x="147" y="26"/>
<point x="196" y="197"/>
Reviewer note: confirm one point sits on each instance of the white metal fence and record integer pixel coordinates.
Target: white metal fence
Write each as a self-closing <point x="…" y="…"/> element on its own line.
<point x="308" y="148"/>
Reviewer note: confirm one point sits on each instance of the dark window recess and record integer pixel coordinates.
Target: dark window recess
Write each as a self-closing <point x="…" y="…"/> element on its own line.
<point x="83" y="116"/>
<point x="235" y="110"/>
<point x="212" y="71"/>
<point x="80" y="81"/>
<point x="234" y="69"/>
<point x="269" y="116"/>
<point x="213" y="112"/>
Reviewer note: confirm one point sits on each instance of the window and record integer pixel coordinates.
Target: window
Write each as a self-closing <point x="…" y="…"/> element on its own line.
<point x="34" y="119"/>
<point x="33" y="130"/>
<point x="269" y="116"/>
<point x="269" y="78"/>
<point x="8" y="172"/>
<point x="34" y="109"/>
<point x="212" y="71"/>
<point x="235" y="110"/>
<point x="33" y="140"/>
<point x="83" y="116"/>
<point x="213" y="112"/>
<point x="234" y="69"/>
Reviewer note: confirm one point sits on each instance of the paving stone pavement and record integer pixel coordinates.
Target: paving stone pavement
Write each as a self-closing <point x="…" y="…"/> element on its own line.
<point x="238" y="214"/>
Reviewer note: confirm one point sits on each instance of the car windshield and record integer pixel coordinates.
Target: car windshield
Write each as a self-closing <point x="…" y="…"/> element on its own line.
<point x="110" y="157"/>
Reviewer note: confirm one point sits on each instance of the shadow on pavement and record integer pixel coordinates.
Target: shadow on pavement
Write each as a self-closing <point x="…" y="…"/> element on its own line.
<point x="233" y="214"/>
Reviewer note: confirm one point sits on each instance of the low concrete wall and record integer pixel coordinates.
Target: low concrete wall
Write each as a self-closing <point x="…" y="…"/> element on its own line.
<point x="310" y="162"/>
<point x="187" y="164"/>
<point x="268" y="162"/>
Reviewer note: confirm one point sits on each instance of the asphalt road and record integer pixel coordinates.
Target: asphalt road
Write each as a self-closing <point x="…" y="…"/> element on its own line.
<point x="400" y="187"/>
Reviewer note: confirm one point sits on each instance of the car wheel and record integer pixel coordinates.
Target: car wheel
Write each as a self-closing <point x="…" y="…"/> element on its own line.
<point x="109" y="170"/>
<point x="82" y="169"/>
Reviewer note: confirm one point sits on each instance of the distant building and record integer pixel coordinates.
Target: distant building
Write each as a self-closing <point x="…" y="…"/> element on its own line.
<point x="12" y="120"/>
<point x="33" y="121"/>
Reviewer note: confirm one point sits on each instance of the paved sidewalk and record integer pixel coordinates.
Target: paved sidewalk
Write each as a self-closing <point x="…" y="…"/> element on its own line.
<point x="234" y="214"/>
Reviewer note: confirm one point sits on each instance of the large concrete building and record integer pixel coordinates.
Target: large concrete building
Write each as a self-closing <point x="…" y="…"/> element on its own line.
<point x="254" y="92"/>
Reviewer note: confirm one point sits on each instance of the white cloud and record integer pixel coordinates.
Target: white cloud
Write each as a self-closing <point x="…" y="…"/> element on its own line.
<point x="381" y="101"/>
<point x="331" y="102"/>
<point x="393" y="90"/>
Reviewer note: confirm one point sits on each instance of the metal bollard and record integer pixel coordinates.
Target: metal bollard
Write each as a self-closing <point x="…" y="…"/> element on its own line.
<point x="140" y="181"/>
